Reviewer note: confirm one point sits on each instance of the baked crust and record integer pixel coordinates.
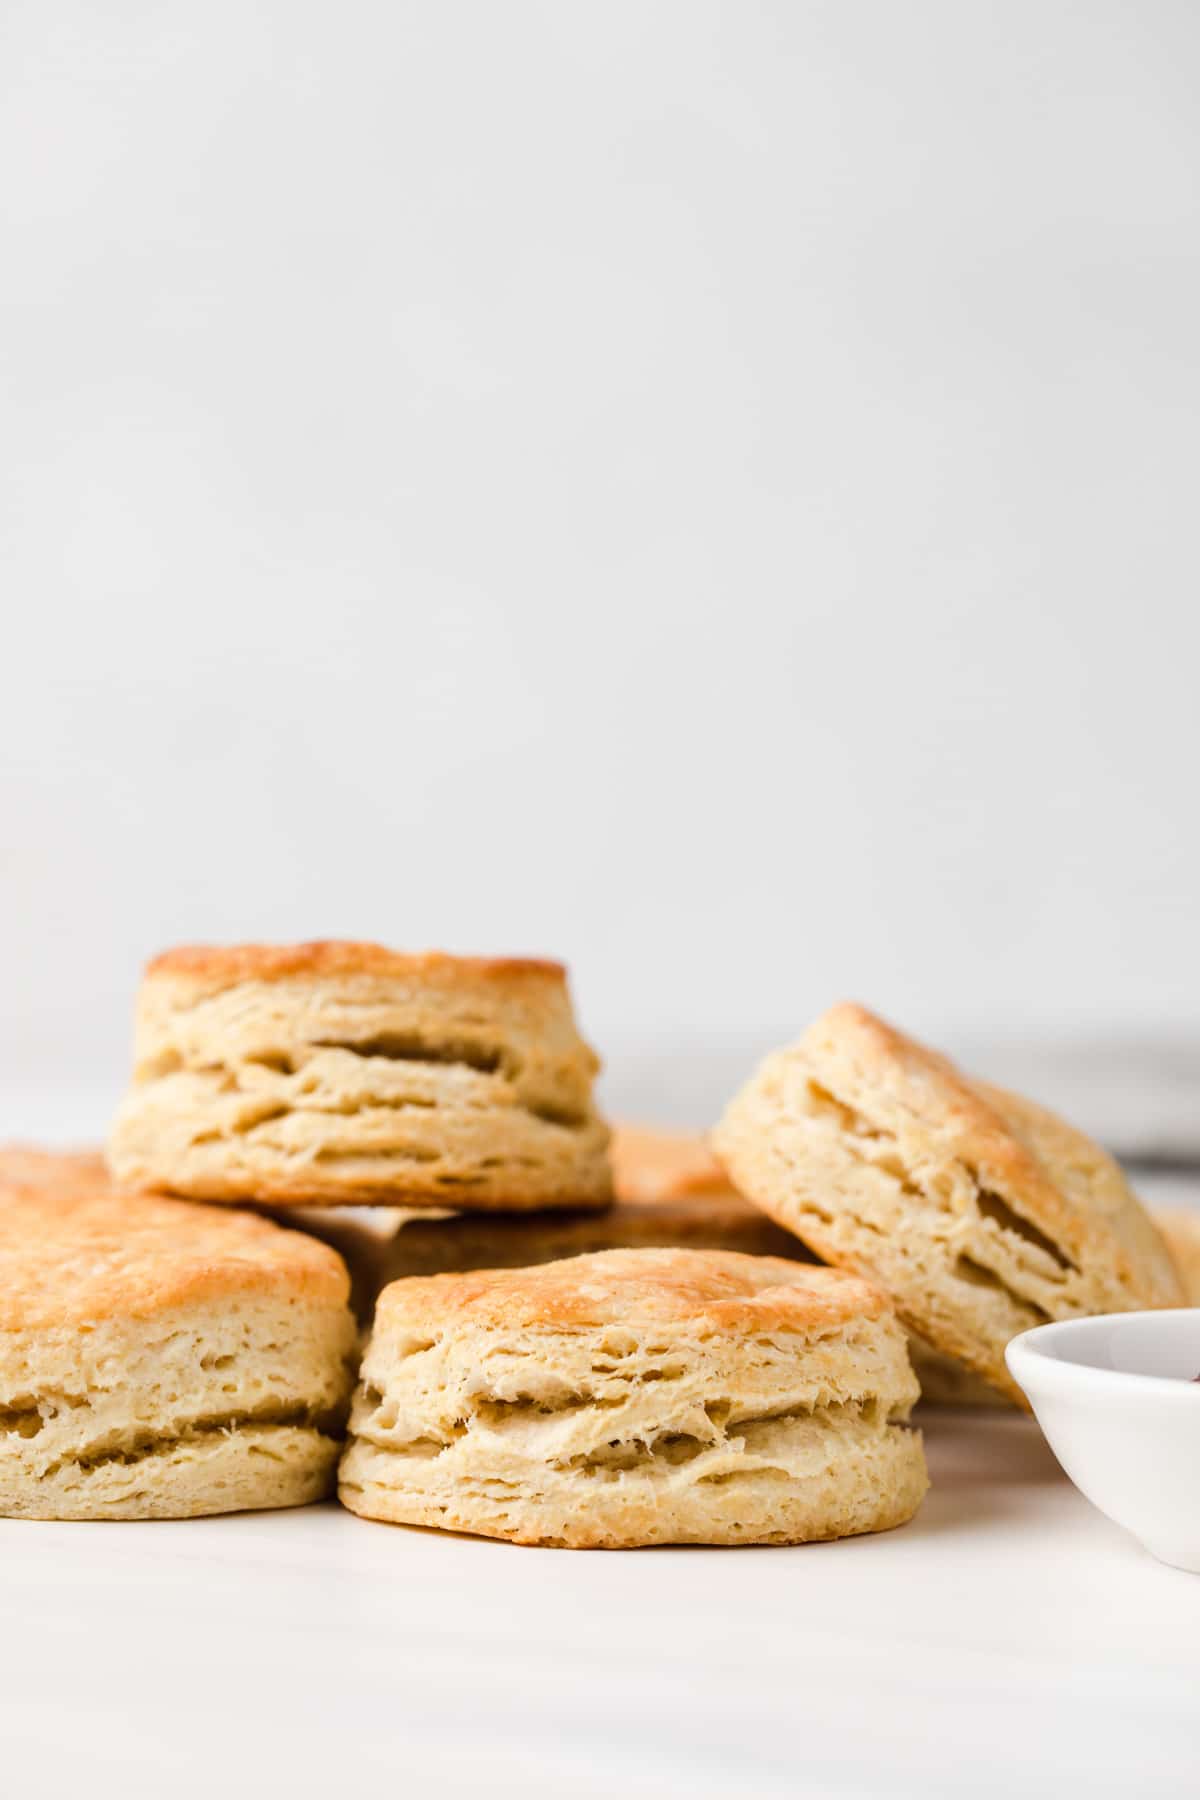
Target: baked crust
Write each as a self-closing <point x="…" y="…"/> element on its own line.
<point x="213" y="966"/>
<point x="74" y="1254"/>
<point x="710" y="1290"/>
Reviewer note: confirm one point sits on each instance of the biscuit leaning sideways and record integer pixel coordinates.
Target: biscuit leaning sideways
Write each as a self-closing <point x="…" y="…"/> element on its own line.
<point x="979" y="1212"/>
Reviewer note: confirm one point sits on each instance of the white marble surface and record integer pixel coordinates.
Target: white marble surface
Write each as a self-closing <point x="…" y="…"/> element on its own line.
<point x="1007" y="1642"/>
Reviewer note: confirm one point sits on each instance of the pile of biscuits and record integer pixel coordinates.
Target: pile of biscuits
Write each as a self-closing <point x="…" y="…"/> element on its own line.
<point x="361" y="1225"/>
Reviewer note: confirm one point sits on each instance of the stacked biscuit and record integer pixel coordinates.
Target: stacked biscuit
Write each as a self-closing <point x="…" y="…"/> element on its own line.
<point x="568" y="1344"/>
<point x="335" y="1074"/>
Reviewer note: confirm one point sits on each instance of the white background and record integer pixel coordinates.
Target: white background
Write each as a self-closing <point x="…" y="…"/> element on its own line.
<point x="708" y="491"/>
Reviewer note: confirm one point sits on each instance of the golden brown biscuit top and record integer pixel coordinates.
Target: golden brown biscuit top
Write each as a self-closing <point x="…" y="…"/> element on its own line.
<point x="663" y="1165"/>
<point x="927" y="1082"/>
<point x="82" y="1252"/>
<point x="224" y="965"/>
<point x="718" y="1291"/>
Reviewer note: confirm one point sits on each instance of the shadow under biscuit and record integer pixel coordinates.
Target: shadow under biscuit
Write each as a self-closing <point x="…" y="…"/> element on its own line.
<point x="982" y="1467"/>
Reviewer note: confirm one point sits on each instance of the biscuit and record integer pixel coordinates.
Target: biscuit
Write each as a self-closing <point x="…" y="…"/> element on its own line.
<point x="1181" y="1230"/>
<point x="637" y="1397"/>
<point x="160" y="1360"/>
<point x="980" y="1213"/>
<point x="341" y="1074"/>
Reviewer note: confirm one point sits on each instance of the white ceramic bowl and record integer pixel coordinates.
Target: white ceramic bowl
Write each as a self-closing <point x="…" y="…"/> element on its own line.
<point x="1118" y="1402"/>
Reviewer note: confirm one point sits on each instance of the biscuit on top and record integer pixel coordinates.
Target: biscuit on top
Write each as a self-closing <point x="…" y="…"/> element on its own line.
<point x="342" y="1073"/>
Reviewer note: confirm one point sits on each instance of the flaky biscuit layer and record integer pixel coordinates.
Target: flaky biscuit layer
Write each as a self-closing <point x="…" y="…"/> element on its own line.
<point x="228" y="1468"/>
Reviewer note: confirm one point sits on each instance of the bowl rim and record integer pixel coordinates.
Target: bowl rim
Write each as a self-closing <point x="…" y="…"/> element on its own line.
<point x="1029" y="1354"/>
